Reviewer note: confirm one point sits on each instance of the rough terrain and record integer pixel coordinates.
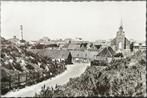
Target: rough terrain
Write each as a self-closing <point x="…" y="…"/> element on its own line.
<point x="122" y="77"/>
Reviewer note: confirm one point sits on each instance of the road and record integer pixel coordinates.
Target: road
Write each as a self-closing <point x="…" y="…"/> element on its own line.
<point x="74" y="70"/>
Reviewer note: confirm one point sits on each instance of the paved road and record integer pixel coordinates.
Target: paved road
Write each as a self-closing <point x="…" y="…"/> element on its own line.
<point x="74" y="70"/>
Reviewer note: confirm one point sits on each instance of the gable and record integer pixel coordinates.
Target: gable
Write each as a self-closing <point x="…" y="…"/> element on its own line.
<point x="106" y="52"/>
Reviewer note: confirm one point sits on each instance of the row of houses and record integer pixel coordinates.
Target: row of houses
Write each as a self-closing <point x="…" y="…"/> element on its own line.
<point x="56" y="55"/>
<point x="69" y="46"/>
<point x="78" y="50"/>
<point x="70" y="56"/>
<point x="119" y="44"/>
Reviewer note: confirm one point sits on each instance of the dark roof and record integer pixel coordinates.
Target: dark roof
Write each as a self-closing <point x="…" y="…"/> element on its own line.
<point x="55" y="54"/>
<point x="106" y="52"/>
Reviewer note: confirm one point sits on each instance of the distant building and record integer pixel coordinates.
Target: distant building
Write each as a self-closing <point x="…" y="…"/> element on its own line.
<point x="74" y="47"/>
<point x="120" y="42"/>
<point x="77" y="46"/>
<point x="44" y="40"/>
<point x="32" y="42"/>
<point x="54" y="54"/>
<point x="100" y="42"/>
<point x="83" y="55"/>
<point x="14" y="40"/>
<point x="139" y="46"/>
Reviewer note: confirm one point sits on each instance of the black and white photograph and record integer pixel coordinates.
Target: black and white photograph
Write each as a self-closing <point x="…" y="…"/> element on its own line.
<point x="75" y="48"/>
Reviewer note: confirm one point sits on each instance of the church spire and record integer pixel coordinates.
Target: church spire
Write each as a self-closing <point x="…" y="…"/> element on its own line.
<point x="121" y="22"/>
<point x="121" y="25"/>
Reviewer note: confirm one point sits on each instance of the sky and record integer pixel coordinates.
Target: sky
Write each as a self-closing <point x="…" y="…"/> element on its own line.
<point x="89" y="20"/>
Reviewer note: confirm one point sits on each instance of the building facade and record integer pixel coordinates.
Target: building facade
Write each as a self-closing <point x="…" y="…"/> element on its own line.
<point x="120" y="42"/>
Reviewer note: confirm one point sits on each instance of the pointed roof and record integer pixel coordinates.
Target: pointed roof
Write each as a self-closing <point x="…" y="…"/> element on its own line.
<point x="120" y="28"/>
<point x="106" y="52"/>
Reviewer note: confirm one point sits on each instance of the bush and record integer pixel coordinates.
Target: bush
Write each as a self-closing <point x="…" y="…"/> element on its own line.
<point x="8" y="66"/>
<point x="98" y="63"/>
<point x="2" y="55"/>
<point x="142" y="62"/>
<point x="29" y="66"/>
<point x="17" y="66"/>
<point x="45" y="92"/>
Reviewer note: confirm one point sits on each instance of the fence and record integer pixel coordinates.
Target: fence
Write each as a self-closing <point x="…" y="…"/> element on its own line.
<point x="21" y="80"/>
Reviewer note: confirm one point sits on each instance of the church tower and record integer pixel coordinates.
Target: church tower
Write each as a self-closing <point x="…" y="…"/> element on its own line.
<point x="120" y="38"/>
<point x="120" y="42"/>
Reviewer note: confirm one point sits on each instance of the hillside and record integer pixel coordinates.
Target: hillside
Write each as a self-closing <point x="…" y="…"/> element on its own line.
<point x="16" y="61"/>
<point x="120" y="78"/>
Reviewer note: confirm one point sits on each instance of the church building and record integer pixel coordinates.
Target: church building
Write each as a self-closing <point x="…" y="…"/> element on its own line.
<point x="120" y="42"/>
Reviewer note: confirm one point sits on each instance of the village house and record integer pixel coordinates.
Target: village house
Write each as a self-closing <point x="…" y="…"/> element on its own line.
<point x="55" y="54"/>
<point x="91" y="54"/>
<point x="106" y="54"/>
<point x="139" y="46"/>
<point x="83" y="55"/>
<point x="103" y="57"/>
<point x="78" y="55"/>
<point x="81" y="52"/>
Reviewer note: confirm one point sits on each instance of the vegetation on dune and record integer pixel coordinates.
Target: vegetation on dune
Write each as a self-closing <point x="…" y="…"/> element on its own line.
<point x="120" y="78"/>
<point x="19" y="66"/>
<point x="15" y="58"/>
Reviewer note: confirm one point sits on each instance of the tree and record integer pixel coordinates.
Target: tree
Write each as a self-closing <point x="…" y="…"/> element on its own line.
<point x="131" y="46"/>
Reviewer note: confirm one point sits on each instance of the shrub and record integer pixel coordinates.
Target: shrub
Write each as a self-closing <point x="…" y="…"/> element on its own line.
<point x="2" y="55"/>
<point x="142" y="62"/>
<point x="17" y="66"/>
<point x="45" y="92"/>
<point x="29" y="66"/>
